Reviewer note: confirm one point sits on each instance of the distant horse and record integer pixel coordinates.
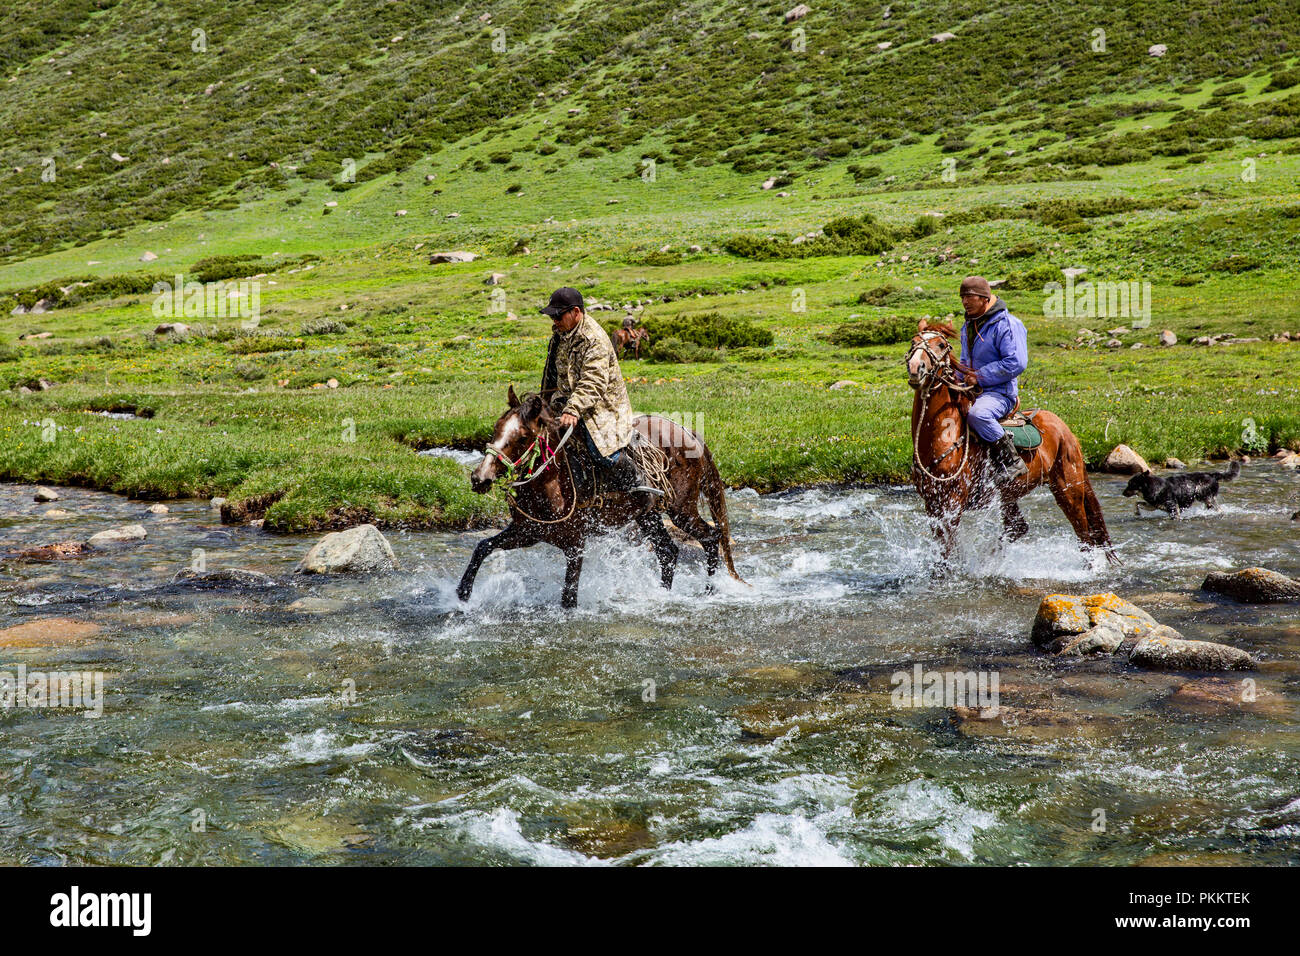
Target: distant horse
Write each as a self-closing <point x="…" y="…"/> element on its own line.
<point x="634" y="337"/>
<point x="546" y="506"/>
<point x="946" y="463"/>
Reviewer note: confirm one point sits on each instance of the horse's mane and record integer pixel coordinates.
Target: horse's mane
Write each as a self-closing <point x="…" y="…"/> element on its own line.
<point x="929" y="325"/>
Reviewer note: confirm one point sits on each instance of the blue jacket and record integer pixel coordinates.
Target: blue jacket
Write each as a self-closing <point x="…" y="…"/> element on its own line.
<point x="999" y="352"/>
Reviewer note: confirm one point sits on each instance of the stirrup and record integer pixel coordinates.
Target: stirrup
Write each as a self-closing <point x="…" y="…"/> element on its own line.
<point x="646" y="489"/>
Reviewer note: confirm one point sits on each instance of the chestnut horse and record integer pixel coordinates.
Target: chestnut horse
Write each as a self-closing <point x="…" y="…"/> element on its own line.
<point x="544" y="505"/>
<point x="634" y="337"/>
<point x="947" y="463"/>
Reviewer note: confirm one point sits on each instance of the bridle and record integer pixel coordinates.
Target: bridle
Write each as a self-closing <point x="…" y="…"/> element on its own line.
<point x="539" y="447"/>
<point x="927" y="385"/>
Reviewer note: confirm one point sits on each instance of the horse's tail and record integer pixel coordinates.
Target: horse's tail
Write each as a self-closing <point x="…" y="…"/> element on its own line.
<point x="715" y="494"/>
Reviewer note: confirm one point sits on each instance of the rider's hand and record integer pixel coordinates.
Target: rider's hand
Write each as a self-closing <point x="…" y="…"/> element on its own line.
<point x="568" y="420"/>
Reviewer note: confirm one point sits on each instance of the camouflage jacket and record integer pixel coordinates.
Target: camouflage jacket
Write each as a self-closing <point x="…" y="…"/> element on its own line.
<point x="583" y="371"/>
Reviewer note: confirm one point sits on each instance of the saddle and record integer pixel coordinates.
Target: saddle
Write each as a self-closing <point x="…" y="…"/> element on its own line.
<point x="592" y="481"/>
<point x="1019" y="425"/>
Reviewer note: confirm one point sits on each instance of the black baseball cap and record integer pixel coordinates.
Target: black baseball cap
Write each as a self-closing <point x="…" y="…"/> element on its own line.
<point x="562" y="300"/>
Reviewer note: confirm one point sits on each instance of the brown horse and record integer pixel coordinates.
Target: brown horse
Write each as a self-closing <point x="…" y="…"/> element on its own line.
<point x="634" y="337"/>
<point x="545" y="506"/>
<point x="948" y="465"/>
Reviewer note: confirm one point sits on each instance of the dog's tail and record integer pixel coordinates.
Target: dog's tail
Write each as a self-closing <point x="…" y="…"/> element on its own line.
<point x="1234" y="469"/>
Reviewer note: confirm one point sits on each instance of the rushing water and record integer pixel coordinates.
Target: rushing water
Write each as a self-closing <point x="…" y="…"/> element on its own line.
<point x="510" y="731"/>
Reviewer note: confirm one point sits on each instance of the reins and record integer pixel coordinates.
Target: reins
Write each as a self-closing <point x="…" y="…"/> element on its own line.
<point x="530" y="455"/>
<point x="927" y="387"/>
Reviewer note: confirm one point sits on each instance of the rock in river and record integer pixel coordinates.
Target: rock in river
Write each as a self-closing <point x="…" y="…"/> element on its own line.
<point x="1080" y="625"/>
<point x="113" y="536"/>
<point x="1253" y="585"/>
<point x="362" y="548"/>
<point x="44" y="494"/>
<point x="1063" y="617"/>
<point x="1123" y="460"/>
<point x="1173" y="652"/>
<point x="223" y="577"/>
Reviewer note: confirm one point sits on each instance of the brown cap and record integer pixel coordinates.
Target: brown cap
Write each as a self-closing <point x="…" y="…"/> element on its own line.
<point x="978" y="285"/>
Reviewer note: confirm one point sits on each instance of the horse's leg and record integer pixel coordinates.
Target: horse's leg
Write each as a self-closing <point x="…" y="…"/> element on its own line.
<point x="1014" y="523"/>
<point x="706" y="534"/>
<point x="1070" y="497"/>
<point x="511" y="537"/>
<point x="572" y="572"/>
<point x="665" y="549"/>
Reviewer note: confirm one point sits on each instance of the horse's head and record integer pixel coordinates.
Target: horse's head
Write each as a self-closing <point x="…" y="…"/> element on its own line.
<point x="515" y="431"/>
<point x="929" y="352"/>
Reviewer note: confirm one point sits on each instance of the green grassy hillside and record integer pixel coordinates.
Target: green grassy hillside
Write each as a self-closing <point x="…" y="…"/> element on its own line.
<point x="623" y="148"/>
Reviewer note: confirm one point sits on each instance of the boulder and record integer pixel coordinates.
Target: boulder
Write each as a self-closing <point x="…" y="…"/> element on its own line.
<point x="1063" y="617"/>
<point x="359" y="549"/>
<point x="44" y="494"/>
<point x="842" y="384"/>
<point x="114" y="536"/>
<point x="1167" y="337"/>
<point x="56" y="552"/>
<point x="223" y="577"/>
<point x="1157" y="49"/>
<point x="47" y="631"/>
<point x="441" y="257"/>
<point x="943" y="37"/>
<point x="171" y="328"/>
<point x="1175" y="463"/>
<point x="149" y="257"/>
<point x="1123" y="460"/>
<point x="57" y="513"/>
<point x="495" y="278"/>
<point x="1103" y="638"/>
<point x="1167" y="650"/>
<point x="1253" y="585"/>
<point x="797" y="13"/>
<point x="1077" y="626"/>
<point x="158" y="509"/>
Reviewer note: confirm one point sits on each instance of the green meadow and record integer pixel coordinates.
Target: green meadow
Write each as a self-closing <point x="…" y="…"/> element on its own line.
<point x="1180" y="172"/>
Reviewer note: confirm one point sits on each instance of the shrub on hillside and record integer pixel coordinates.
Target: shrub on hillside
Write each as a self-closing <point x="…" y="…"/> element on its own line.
<point x="858" y="334"/>
<point x="710" y="330"/>
<point x="674" y="350"/>
<point x="324" y="326"/>
<point x="1236" y="264"/>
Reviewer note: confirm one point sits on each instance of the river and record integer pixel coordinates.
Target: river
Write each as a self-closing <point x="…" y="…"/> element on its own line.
<point x="378" y="720"/>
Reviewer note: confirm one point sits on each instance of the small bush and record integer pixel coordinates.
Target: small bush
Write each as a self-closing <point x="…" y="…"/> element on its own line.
<point x="1021" y="250"/>
<point x="1034" y="278"/>
<point x="1236" y="264"/>
<point x="1283" y="81"/>
<point x="254" y="344"/>
<point x="674" y="350"/>
<point x="710" y="330"/>
<point x="324" y="326"/>
<point x="860" y="334"/>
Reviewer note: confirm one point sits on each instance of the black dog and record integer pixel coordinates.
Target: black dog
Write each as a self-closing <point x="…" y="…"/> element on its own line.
<point x="1176" y="492"/>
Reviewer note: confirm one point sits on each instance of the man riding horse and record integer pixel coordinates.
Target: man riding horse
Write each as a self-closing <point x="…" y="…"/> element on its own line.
<point x="994" y="352"/>
<point x="586" y="390"/>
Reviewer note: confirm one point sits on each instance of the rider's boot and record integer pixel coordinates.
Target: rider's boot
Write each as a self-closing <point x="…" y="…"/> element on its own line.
<point x="1007" y="463"/>
<point x="625" y="476"/>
